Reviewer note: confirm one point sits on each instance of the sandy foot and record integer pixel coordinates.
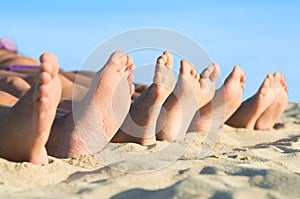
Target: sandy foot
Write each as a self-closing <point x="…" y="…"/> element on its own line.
<point x="26" y="128"/>
<point x="140" y="124"/>
<point x="101" y="112"/>
<point x="279" y="104"/>
<point x="191" y="92"/>
<point x="225" y="102"/>
<point x="250" y="110"/>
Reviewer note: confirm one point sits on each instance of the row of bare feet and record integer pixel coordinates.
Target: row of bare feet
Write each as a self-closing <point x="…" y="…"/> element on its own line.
<point x="166" y="110"/>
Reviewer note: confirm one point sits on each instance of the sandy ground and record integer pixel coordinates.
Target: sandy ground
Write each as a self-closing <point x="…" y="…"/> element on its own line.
<point x="242" y="164"/>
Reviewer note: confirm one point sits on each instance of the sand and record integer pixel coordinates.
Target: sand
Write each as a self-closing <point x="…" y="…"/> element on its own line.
<point x="242" y="164"/>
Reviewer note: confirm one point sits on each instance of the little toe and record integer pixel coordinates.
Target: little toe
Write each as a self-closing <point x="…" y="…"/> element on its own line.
<point x="130" y="78"/>
<point x="193" y="73"/>
<point x="197" y="76"/>
<point x="214" y="75"/>
<point x="131" y="89"/>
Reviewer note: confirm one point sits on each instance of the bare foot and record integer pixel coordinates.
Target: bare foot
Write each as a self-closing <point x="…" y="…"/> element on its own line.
<point x="250" y="110"/>
<point x="225" y="102"/>
<point x="140" y="124"/>
<point x="99" y="115"/>
<point x="279" y="104"/>
<point x="191" y="92"/>
<point x="26" y="128"/>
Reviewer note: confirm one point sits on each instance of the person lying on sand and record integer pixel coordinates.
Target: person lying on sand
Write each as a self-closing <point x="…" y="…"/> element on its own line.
<point x="65" y="140"/>
<point x="20" y="71"/>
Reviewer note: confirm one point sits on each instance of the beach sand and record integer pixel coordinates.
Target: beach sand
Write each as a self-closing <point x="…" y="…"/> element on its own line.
<point x="243" y="164"/>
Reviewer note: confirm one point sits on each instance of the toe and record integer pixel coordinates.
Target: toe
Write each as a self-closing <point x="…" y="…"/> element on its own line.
<point x="130" y="78"/>
<point x="165" y="58"/>
<point x="185" y="67"/>
<point x="170" y="60"/>
<point x="44" y="78"/>
<point x="277" y="77"/>
<point x="268" y="82"/>
<point x="236" y="72"/>
<point x="272" y="80"/>
<point x="129" y="61"/>
<point x="202" y="83"/>
<point x="211" y="72"/>
<point x="130" y="68"/>
<point x="193" y="72"/>
<point x="243" y="77"/>
<point x="215" y="73"/>
<point x="197" y="76"/>
<point x="46" y="67"/>
<point x="161" y="61"/>
<point x="52" y="62"/>
<point x="118" y="60"/>
<point x="243" y="87"/>
<point x="131" y="89"/>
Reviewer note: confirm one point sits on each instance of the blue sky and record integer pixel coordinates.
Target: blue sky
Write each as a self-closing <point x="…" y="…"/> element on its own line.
<point x="261" y="37"/>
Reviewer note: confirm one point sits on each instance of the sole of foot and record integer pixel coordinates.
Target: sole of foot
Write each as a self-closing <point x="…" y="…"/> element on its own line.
<point x="26" y="128"/>
<point x="191" y="92"/>
<point x="250" y="110"/>
<point x="279" y="104"/>
<point x="225" y="102"/>
<point x="101" y="112"/>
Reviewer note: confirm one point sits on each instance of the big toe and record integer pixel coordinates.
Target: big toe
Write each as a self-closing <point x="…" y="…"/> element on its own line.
<point x="238" y="74"/>
<point x="118" y="59"/>
<point x="49" y="64"/>
<point x="186" y="67"/>
<point x="267" y="83"/>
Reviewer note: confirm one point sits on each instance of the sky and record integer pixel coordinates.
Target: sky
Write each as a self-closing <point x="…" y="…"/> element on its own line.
<point x="260" y="36"/>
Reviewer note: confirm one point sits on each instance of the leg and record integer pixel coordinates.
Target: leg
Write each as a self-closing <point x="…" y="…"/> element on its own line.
<point x="78" y="77"/>
<point x="18" y="60"/>
<point x="226" y="101"/>
<point x="26" y="127"/>
<point x="67" y="87"/>
<point x="250" y="110"/>
<point x="191" y="92"/>
<point x="99" y="115"/>
<point x="7" y="99"/>
<point x="140" y="123"/>
<point x="14" y="85"/>
<point x="4" y="74"/>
